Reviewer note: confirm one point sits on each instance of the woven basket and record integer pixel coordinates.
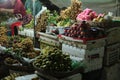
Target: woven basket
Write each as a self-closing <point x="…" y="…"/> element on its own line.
<point x="59" y="74"/>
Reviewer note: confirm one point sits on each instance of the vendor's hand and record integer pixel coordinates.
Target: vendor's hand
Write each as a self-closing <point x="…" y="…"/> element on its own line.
<point x="2" y="9"/>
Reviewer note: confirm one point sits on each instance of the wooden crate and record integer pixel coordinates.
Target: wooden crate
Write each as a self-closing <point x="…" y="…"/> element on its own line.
<point x="50" y="41"/>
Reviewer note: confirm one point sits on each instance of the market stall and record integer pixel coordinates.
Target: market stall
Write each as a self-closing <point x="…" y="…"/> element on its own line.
<point x="75" y="44"/>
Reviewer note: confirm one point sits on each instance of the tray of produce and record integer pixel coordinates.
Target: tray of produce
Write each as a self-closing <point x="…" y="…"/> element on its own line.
<point x="55" y="63"/>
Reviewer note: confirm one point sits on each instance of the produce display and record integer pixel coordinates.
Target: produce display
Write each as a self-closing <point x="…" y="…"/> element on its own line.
<point x="13" y="40"/>
<point x="71" y="23"/>
<point x="72" y="11"/>
<point x="54" y="60"/>
<point x="3" y="36"/>
<point x="83" y="30"/>
<point x="42" y="22"/>
<point x="66" y="16"/>
<point x="23" y="47"/>
<point x="54" y="19"/>
<point x="27" y="45"/>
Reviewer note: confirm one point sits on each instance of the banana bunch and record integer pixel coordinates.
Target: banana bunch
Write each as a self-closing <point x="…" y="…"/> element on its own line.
<point x="12" y="76"/>
<point x="64" y="23"/>
<point x="27" y="45"/>
<point x="42" y="22"/>
<point x="75" y="8"/>
<point x="3" y="36"/>
<point x="99" y="19"/>
<point x="3" y="30"/>
<point x="72" y="11"/>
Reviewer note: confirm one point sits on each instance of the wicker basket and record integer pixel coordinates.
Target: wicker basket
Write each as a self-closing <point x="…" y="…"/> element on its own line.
<point x="59" y="74"/>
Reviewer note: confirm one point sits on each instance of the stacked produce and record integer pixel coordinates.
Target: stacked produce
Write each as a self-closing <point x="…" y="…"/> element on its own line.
<point x="86" y="15"/>
<point x="65" y="17"/>
<point x="54" y="60"/>
<point x="42" y="22"/>
<point x="72" y="11"/>
<point x="28" y="49"/>
<point x="23" y="47"/>
<point x="13" y="40"/>
<point x="27" y="45"/>
<point x="3" y="36"/>
<point x="54" y="19"/>
<point x="96" y="20"/>
<point x="83" y="30"/>
<point x="64" y="22"/>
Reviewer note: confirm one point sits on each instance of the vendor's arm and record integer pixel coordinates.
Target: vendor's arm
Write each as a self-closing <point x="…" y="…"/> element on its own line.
<point x="6" y="10"/>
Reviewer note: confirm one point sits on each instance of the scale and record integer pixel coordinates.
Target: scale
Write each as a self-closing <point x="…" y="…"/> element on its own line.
<point x="49" y="77"/>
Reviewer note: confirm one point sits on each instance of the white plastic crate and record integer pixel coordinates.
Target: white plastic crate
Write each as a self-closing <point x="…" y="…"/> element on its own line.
<point x="93" y="64"/>
<point x="111" y="54"/>
<point x="89" y="64"/>
<point x="86" y="44"/>
<point x="82" y="52"/>
<point x="91" y="52"/>
<point x="27" y="33"/>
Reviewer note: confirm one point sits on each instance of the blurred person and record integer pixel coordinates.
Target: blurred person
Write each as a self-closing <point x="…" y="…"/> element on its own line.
<point x="17" y="8"/>
<point x="29" y="6"/>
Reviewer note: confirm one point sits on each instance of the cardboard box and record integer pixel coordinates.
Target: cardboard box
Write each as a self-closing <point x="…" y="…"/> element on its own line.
<point x="111" y="54"/>
<point x="111" y="73"/>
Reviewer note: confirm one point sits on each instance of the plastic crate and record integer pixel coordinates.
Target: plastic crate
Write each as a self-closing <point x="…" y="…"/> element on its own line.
<point x="82" y="52"/>
<point x="88" y="64"/>
<point x="83" y="43"/>
<point x="27" y="33"/>
<point x="111" y="54"/>
<point x="90" y="51"/>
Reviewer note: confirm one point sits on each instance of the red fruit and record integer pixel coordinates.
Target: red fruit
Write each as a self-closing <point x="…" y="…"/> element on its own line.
<point x="65" y="30"/>
<point x="69" y="35"/>
<point x="71" y="31"/>
<point x="81" y="29"/>
<point x="68" y="31"/>
<point x="66" y="34"/>
<point x="79" y="37"/>
<point x="75" y="32"/>
<point x="82" y="33"/>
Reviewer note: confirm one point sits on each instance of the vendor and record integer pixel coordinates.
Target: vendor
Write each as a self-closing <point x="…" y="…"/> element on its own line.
<point x="37" y="6"/>
<point x="17" y="8"/>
